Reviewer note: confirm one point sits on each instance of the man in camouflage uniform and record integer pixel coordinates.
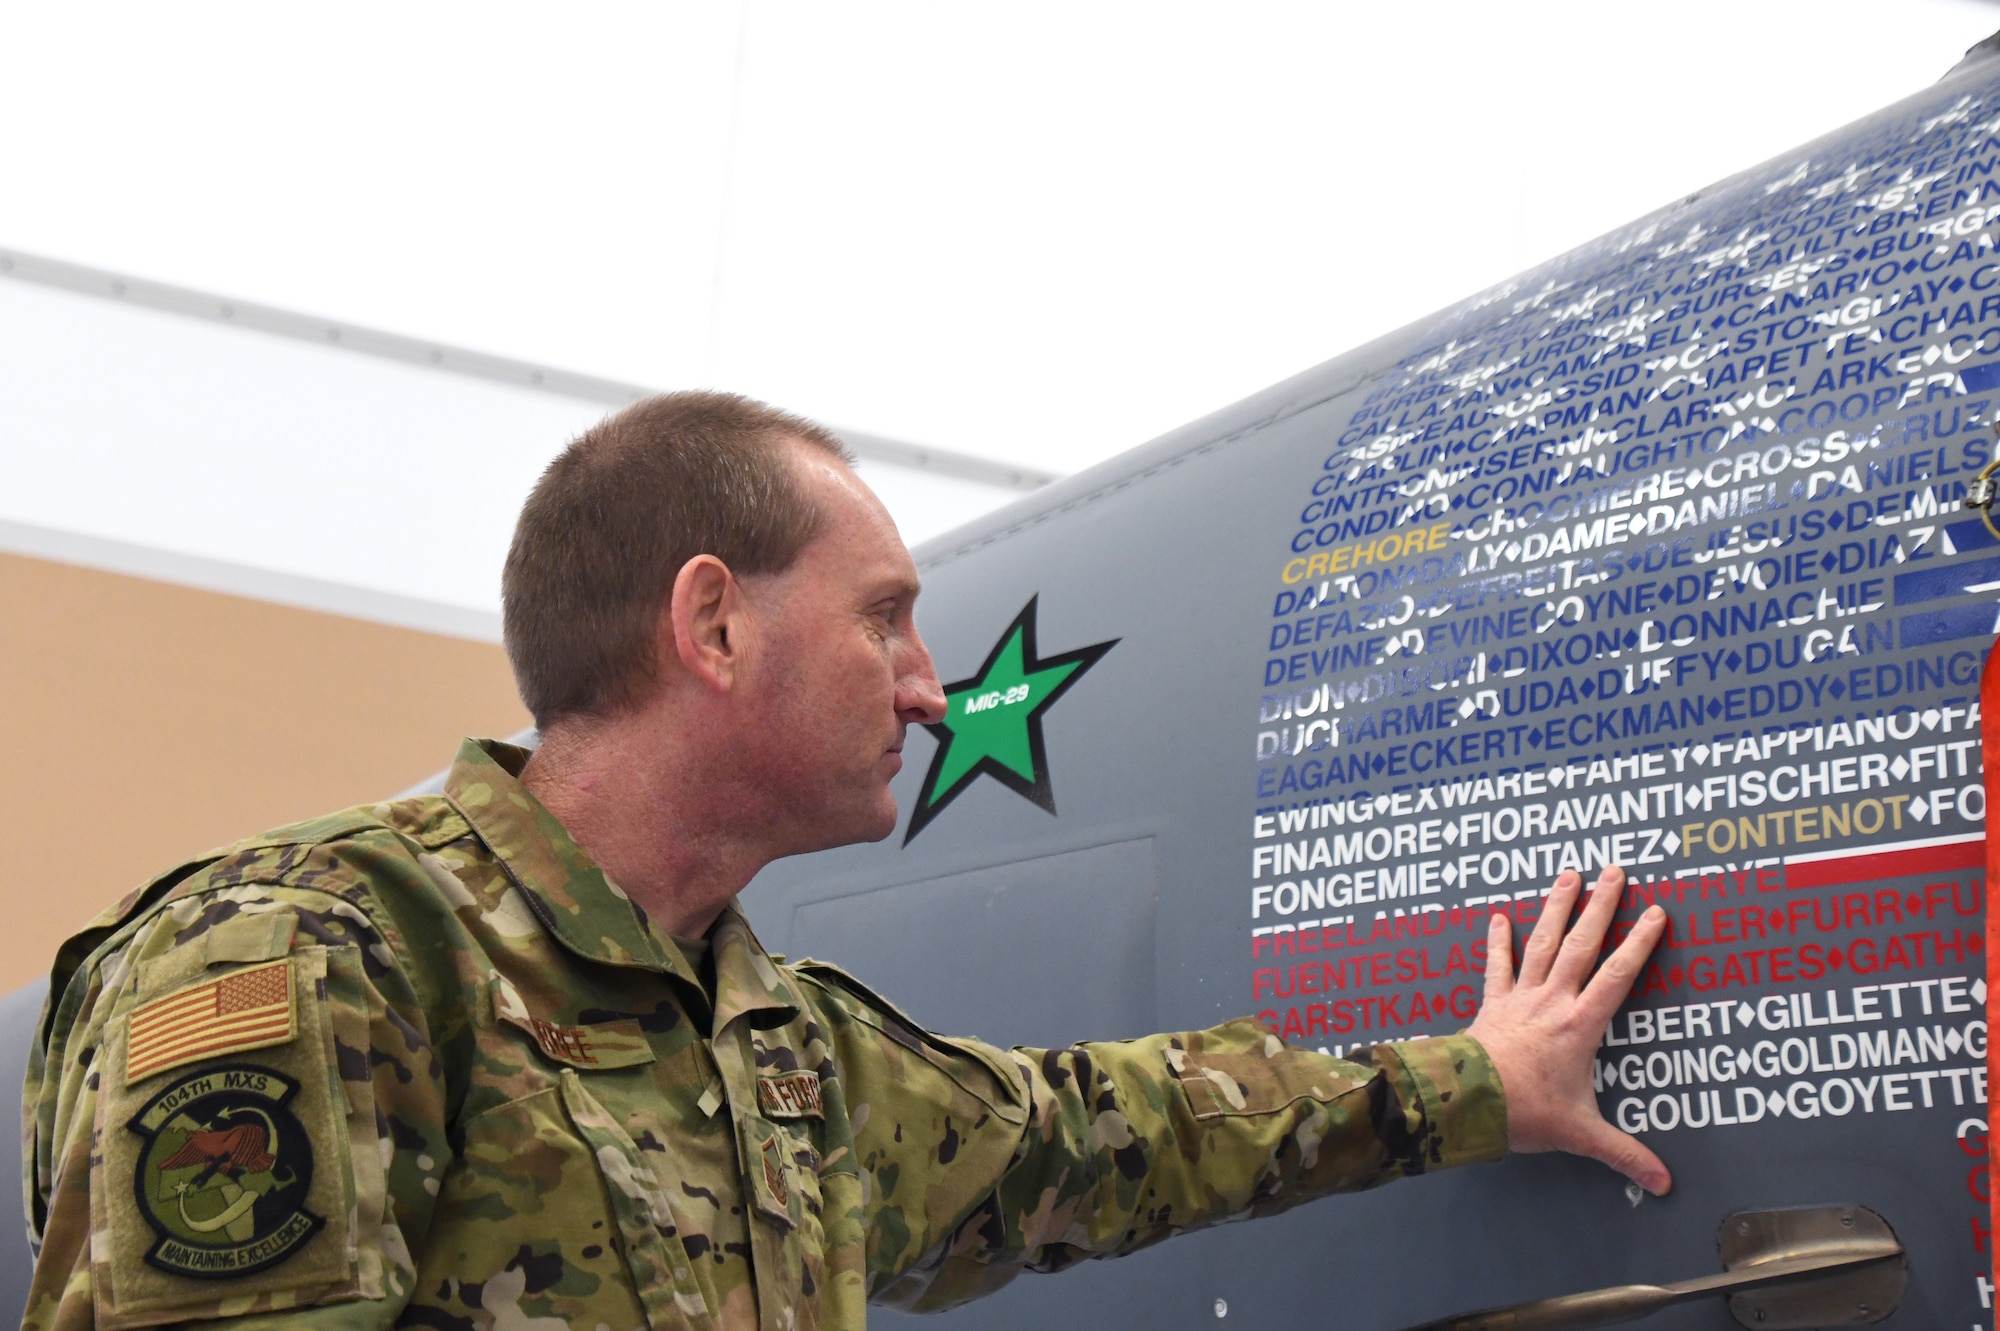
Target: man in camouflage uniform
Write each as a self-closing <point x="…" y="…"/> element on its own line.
<point x="510" y="1056"/>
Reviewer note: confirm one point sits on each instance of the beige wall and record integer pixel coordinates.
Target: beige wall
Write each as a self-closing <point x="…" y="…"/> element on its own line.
<point x="142" y="722"/>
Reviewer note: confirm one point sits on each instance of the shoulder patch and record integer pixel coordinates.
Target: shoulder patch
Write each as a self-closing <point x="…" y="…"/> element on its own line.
<point x="224" y="1172"/>
<point x="238" y="1183"/>
<point x="247" y="1009"/>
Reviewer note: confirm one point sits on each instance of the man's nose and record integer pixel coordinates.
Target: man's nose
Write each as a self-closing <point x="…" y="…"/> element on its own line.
<point x="919" y="695"/>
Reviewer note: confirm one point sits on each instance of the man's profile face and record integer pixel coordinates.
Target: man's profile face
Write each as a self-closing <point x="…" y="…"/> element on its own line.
<point x="844" y="673"/>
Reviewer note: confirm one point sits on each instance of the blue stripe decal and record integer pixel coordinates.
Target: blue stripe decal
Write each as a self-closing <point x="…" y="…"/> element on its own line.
<point x="1970" y="534"/>
<point x="1935" y="626"/>
<point x="1932" y="583"/>
<point x="1981" y="378"/>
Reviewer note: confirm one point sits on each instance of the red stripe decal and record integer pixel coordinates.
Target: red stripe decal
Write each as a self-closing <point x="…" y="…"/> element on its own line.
<point x="1890" y="864"/>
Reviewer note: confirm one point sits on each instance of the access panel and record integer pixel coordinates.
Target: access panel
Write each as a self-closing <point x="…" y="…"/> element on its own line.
<point x="1655" y="556"/>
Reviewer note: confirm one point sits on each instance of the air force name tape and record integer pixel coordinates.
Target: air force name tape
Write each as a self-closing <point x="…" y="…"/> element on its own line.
<point x="620" y="1043"/>
<point x="793" y="1095"/>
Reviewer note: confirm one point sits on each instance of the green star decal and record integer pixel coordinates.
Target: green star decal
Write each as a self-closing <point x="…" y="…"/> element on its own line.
<point x="993" y="721"/>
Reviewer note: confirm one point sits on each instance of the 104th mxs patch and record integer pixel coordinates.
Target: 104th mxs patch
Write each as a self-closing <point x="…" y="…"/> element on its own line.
<point x="224" y="1173"/>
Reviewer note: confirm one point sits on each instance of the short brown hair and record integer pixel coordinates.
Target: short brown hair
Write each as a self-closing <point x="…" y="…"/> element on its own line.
<point x="616" y="515"/>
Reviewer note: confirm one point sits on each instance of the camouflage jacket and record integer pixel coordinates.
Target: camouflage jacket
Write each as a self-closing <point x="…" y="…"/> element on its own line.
<point x="423" y="1064"/>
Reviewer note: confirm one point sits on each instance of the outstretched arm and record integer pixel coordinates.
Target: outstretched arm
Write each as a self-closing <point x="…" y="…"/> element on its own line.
<point x="1541" y="1026"/>
<point x="977" y="1163"/>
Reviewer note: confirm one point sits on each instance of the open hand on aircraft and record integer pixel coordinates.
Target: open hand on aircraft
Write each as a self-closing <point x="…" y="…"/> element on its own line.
<point x="1541" y="1025"/>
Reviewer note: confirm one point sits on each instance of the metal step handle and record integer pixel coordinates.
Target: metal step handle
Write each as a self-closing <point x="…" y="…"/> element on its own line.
<point x="1786" y="1270"/>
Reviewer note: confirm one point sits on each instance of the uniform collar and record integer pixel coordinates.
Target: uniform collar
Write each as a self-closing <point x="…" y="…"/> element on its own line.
<point x="746" y="979"/>
<point x="583" y="909"/>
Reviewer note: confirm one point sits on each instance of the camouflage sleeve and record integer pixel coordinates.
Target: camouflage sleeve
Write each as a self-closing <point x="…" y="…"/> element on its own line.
<point x="978" y="1164"/>
<point x="234" y="1116"/>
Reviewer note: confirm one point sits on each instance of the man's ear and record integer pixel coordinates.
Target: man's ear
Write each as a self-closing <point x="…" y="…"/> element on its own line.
<point x="702" y="625"/>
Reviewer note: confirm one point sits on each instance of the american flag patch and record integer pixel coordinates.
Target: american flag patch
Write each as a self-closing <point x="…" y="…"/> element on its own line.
<point x="249" y="1009"/>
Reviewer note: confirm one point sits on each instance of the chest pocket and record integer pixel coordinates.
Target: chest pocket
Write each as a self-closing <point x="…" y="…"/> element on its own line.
<point x="551" y="1215"/>
<point x="661" y="1273"/>
<point x="788" y="1230"/>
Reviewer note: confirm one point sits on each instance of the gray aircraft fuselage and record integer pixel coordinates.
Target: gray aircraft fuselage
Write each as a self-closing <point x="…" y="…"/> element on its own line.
<point x="1655" y="555"/>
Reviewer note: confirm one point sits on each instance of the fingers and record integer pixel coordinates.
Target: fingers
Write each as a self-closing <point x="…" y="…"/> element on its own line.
<point x="1499" y="956"/>
<point x="1540" y="952"/>
<point x="1626" y="1154"/>
<point x="1615" y="978"/>
<point x="1579" y="950"/>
